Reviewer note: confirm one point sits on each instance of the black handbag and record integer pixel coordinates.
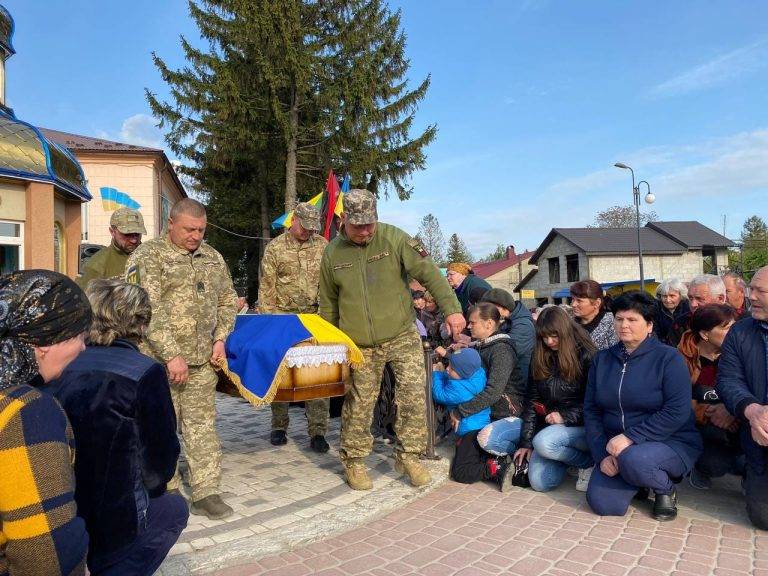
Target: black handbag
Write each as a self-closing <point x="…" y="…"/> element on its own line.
<point x="520" y="475"/>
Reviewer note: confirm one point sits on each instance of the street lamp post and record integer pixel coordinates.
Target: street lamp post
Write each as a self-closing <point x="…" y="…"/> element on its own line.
<point x="649" y="198"/>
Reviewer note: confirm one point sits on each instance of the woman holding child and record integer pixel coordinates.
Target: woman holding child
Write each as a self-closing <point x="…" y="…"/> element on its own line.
<point x="553" y="436"/>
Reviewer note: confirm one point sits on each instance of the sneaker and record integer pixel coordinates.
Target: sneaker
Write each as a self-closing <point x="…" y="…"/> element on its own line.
<point x="319" y="444"/>
<point x="665" y="506"/>
<point x="411" y="467"/>
<point x="278" y="438"/>
<point x="212" y="506"/>
<point x="505" y="469"/>
<point x="582" y="483"/>
<point x="698" y="480"/>
<point x="356" y="475"/>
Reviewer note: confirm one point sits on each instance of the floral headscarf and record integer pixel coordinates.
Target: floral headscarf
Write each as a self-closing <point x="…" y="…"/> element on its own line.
<point x="37" y="308"/>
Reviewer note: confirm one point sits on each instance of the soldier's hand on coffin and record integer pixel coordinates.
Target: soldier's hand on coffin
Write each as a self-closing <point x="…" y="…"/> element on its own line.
<point x="218" y="352"/>
<point x="178" y="371"/>
<point x="456" y="323"/>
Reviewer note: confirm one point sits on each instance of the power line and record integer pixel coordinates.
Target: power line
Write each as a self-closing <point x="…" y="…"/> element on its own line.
<point x="237" y="234"/>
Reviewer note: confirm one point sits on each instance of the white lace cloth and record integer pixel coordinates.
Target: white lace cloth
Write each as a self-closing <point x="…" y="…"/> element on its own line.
<point x="303" y="356"/>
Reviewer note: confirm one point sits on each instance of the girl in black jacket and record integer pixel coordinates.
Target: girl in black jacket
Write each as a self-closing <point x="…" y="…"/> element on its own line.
<point x="553" y="436"/>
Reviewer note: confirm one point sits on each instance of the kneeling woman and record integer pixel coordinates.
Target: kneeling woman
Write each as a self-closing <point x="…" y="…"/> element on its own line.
<point x="553" y="417"/>
<point x="638" y="417"/>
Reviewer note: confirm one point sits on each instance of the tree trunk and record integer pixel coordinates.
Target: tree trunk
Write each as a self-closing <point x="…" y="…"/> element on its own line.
<point x="291" y="156"/>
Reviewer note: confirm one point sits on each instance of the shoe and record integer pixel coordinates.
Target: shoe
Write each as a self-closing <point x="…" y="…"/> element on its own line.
<point x="319" y="444"/>
<point x="278" y="438"/>
<point x="582" y="483"/>
<point x="505" y="469"/>
<point x="665" y="506"/>
<point x="698" y="480"/>
<point x="212" y="506"/>
<point x="417" y="474"/>
<point x="356" y="475"/>
<point x="642" y="494"/>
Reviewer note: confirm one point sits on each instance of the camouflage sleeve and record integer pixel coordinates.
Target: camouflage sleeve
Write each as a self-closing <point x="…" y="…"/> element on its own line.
<point x="227" y="308"/>
<point x="419" y="264"/>
<point x="268" y="282"/>
<point x="94" y="268"/>
<point x="329" y="291"/>
<point x="146" y="270"/>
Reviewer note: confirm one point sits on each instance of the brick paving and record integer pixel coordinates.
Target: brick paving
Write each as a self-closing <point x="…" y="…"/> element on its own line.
<point x="325" y="529"/>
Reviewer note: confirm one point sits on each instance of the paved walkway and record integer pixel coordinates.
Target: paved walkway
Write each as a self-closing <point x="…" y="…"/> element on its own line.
<point x="308" y="522"/>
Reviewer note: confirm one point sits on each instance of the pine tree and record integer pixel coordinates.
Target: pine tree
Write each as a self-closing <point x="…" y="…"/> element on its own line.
<point x="457" y="250"/>
<point x="499" y="253"/>
<point x="431" y="237"/>
<point x="754" y="251"/>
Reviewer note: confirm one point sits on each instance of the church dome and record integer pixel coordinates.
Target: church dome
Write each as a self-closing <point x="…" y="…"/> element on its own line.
<point x="6" y="32"/>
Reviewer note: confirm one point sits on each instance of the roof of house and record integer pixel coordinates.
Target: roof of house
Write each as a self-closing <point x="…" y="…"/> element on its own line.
<point x="487" y="269"/>
<point x="78" y="143"/>
<point x="692" y="234"/>
<point x="656" y="238"/>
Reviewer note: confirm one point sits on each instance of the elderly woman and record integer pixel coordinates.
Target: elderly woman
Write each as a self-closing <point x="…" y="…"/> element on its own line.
<point x="465" y="283"/>
<point x="700" y="347"/>
<point x="43" y="319"/>
<point x="637" y="416"/>
<point x="120" y="407"/>
<point x="673" y="311"/>
<point x="589" y="310"/>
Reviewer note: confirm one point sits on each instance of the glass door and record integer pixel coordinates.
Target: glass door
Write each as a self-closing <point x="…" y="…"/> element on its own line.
<point x="11" y="246"/>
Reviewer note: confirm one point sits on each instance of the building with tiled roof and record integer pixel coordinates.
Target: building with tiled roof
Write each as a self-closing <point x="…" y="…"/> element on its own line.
<point x="507" y="272"/>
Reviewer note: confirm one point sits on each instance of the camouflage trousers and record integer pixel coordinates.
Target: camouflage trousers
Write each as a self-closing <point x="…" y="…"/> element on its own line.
<point x="316" y="411"/>
<point x="195" y="406"/>
<point x="405" y="355"/>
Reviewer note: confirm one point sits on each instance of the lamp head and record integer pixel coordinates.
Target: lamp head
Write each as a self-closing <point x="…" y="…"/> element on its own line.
<point x="621" y="165"/>
<point x="650" y="198"/>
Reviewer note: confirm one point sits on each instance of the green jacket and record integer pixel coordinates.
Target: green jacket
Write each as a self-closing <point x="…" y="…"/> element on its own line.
<point x="364" y="289"/>
<point x="109" y="262"/>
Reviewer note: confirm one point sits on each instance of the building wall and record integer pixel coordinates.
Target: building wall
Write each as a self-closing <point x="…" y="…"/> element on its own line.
<point x="129" y="173"/>
<point x="615" y="268"/>
<point x="169" y="195"/>
<point x="558" y="248"/>
<point x="510" y="277"/>
<point x="13" y="201"/>
<point x="38" y="228"/>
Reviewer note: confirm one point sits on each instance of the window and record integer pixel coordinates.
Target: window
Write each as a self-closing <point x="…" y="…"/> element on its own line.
<point x="11" y="247"/>
<point x="165" y="213"/>
<point x="572" y="267"/>
<point x="554" y="270"/>
<point x="710" y="261"/>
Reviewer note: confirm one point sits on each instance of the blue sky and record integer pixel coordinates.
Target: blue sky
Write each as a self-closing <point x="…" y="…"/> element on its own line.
<point x="534" y="101"/>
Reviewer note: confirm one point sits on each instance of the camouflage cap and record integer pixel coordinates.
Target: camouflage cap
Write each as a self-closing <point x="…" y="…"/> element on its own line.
<point x="128" y="221"/>
<point x="308" y="216"/>
<point x="360" y="207"/>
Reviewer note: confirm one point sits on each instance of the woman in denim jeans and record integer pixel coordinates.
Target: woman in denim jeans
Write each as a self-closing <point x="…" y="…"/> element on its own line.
<point x="553" y="416"/>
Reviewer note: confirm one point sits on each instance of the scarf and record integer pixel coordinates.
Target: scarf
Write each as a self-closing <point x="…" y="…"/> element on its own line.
<point x="592" y="324"/>
<point x="37" y="308"/>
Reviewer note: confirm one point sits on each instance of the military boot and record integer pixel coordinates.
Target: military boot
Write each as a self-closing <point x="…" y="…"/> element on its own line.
<point x="357" y="475"/>
<point x="411" y="467"/>
<point x="212" y="506"/>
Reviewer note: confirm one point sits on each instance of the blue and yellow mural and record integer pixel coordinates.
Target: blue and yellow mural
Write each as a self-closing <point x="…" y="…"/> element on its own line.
<point x="112" y="199"/>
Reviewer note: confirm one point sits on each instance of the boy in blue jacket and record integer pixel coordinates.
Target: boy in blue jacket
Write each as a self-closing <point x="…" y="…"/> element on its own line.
<point x="463" y="379"/>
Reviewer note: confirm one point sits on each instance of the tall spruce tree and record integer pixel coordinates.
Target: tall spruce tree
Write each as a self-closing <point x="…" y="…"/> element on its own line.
<point x="457" y="250"/>
<point x="431" y="237"/>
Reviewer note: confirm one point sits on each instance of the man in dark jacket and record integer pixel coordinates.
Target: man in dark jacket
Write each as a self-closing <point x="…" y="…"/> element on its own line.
<point x="742" y="383"/>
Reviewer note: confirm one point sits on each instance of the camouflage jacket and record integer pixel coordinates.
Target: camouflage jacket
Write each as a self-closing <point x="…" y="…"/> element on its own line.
<point x="290" y="275"/>
<point x="193" y="301"/>
<point x="109" y="262"/>
<point x="364" y="289"/>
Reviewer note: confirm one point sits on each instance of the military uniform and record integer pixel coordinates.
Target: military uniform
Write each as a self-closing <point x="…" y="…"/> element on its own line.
<point x="364" y="291"/>
<point x="109" y="262"/>
<point x="290" y="275"/>
<point x="193" y="305"/>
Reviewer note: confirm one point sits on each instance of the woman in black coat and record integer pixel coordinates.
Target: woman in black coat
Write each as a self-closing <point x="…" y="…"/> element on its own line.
<point x="119" y="404"/>
<point x="673" y="311"/>
<point x="553" y="434"/>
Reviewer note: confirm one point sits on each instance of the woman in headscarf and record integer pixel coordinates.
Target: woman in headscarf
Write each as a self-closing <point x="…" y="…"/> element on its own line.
<point x="43" y="319"/>
<point x="463" y="281"/>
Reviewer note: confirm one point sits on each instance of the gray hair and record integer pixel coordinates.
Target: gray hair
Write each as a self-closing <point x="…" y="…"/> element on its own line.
<point x="714" y="283"/>
<point x="672" y="285"/>
<point x="736" y="278"/>
<point x="120" y="310"/>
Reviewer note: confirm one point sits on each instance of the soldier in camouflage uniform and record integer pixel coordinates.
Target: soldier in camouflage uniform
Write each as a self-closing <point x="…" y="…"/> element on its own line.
<point x="364" y="291"/>
<point x="193" y="312"/>
<point x="126" y="227"/>
<point x="290" y="274"/>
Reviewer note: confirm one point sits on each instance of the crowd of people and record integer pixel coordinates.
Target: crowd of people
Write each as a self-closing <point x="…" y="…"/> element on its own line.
<point x="631" y="396"/>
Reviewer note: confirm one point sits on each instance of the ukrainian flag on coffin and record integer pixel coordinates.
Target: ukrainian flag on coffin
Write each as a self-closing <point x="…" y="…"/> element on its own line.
<point x="112" y="199"/>
<point x="257" y="347"/>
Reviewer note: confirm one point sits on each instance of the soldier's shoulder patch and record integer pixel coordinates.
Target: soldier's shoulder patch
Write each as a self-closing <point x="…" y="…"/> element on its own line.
<point x="132" y="274"/>
<point x="417" y="246"/>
